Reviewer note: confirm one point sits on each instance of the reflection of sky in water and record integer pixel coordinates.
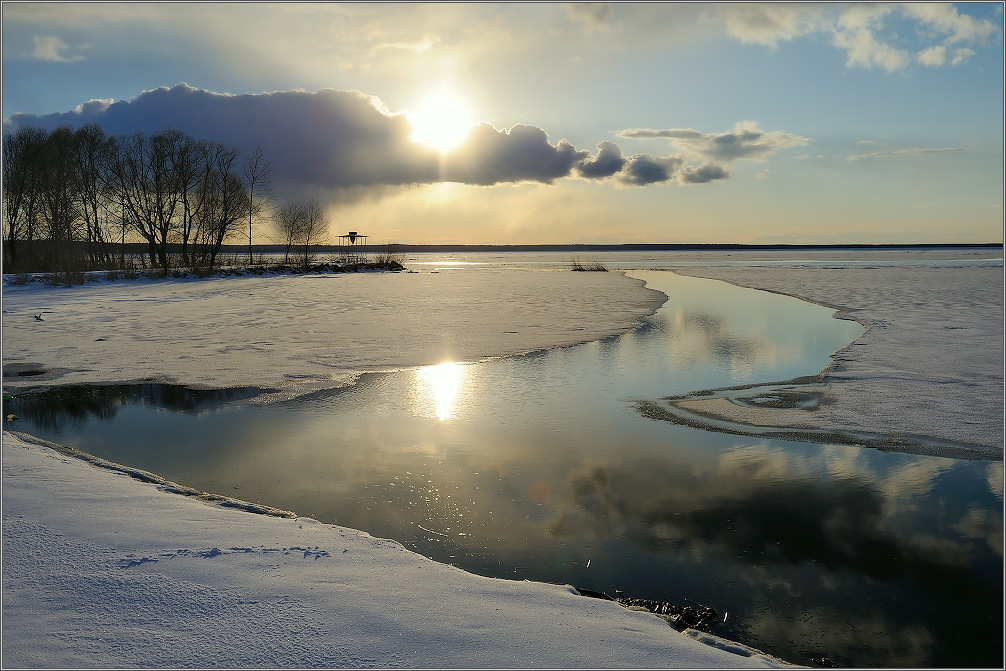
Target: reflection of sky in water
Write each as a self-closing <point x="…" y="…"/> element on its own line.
<point x="534" y="466"/>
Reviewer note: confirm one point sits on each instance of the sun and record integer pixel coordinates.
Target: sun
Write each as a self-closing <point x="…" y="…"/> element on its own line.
<point x="442" y="122"/>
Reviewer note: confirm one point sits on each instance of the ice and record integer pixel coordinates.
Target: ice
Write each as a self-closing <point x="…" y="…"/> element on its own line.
<point x="930" y="363"/>
<point x="306" y="331"/>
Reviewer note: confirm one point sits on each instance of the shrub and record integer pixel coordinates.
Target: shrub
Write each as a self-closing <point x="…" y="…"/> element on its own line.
<point x="593" y="266"/>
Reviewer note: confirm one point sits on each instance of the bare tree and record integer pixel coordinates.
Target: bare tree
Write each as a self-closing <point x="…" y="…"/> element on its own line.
<point x="143" y="176"/>
<point x="59" y="202"/>
<point x="67" y="189"/>
<point x="92" y="157"/>
<point x="189" y="169"/>
<point x="22" y="164"/>
<point x="288" y="222"/>
<point x="302" y="223"/>
<point x="314" y="230"/>
<point x="226" y="200"/>
<point x="257" y="173"/>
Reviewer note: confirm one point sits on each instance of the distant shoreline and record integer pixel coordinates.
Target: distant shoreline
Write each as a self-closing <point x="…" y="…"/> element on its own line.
<point x="628" y="247"/>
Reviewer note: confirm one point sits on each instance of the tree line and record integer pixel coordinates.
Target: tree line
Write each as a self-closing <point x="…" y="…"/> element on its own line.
<point x="69" y="196"/>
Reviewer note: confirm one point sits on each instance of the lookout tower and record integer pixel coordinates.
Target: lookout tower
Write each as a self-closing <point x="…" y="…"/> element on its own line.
<point x="351" y="248"/>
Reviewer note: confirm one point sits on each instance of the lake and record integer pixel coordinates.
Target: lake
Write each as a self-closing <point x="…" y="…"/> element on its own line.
<point x="541" y="467"/>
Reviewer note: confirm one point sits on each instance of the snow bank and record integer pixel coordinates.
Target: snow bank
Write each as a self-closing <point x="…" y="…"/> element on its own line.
<point x="304" y="331"/>
<point x="930" y="363"/>
<point x="103" y="570"/>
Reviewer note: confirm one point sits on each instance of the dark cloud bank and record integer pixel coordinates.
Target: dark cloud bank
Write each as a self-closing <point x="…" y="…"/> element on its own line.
<point x="344" y="139"/>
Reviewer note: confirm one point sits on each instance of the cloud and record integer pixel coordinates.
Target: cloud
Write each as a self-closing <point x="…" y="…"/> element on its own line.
<point x="417" y="47"/>
<point x="961" y="56"/>
<point x="522" y="153"/>
<point x="595" y="16"/>
<point x="710" y="150"/>
<point x="864" y="50"/>
<point x="937" y="55"/>
<point x="860" y="30"/>
<point x="933" y="56"/>
<point x="49" y="49"/>
<point x="745" y="141"/>
<point x="903" y="152"/>
<point x="769" y="24"/>
<point x="706" y="173"/>
<point x="944" y="19"/>
<point x="608" y="161"/>
<point x="644" y="169"/>
<point x="349" y="142"/>
<point x="330" y="139"/>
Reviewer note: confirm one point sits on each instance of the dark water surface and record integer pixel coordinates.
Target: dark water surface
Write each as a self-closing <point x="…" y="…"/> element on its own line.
<point x="539" y="467"/>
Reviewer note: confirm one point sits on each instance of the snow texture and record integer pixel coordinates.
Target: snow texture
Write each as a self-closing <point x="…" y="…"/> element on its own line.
<point x="305" y="331"/>
<point x="929" y="364"/>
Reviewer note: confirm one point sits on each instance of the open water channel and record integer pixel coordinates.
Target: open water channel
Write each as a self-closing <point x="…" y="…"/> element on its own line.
<point x="540" y="467"/>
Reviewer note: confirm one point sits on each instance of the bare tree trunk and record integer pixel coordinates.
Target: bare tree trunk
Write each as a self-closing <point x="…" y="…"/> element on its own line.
<point x="257" y="173"/>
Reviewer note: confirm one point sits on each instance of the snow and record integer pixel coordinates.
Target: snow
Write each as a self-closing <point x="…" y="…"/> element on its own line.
<point x="307" y="331"/>
<point x="111" y="567"/>
<point x="930" y="363"/>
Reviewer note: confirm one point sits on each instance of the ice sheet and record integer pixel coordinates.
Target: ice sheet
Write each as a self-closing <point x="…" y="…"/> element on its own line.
<point x="302" y="331"/>
<point x="929" y="364"/>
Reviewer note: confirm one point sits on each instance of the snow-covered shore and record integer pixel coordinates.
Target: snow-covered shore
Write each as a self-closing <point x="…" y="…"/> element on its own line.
<point x="929" y="365"/>
<point x="105" y="570"/>
<point x="303" y="332"/>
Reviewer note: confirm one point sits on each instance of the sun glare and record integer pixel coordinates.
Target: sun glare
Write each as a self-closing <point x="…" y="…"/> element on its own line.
<point x="441" y="386"/>
<point x="442" y="122"/>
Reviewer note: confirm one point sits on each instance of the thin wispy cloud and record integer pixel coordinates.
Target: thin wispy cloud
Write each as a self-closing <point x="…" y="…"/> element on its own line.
<point x="51" y="48"/>
<point x="418" y="47"/>
<point x="745" y="142"/>
<point x="595" y="16"/>
<point x="904" y="152"/>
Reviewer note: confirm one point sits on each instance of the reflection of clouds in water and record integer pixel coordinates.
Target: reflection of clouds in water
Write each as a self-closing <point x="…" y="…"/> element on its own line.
<point x="590" y="504"/>
<point x="781" y="529"/>
<point x="770" y="507"/>
<point x="872" y="636"/>
<point x="902" y="480"/>
<point x="983" y="524"/>
<point x="995" y="479"/>
<point x="762" y="463"/>
<point x="700" y="336"/>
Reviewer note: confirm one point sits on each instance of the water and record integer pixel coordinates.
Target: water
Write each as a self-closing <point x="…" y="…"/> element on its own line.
<point x="540" y="467"/>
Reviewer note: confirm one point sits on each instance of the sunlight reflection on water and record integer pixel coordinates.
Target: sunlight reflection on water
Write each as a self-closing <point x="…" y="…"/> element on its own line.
<point x="439" y="388"/>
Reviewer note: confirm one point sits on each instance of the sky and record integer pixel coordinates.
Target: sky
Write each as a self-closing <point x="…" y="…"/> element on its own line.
<point x="528" y="123"/>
